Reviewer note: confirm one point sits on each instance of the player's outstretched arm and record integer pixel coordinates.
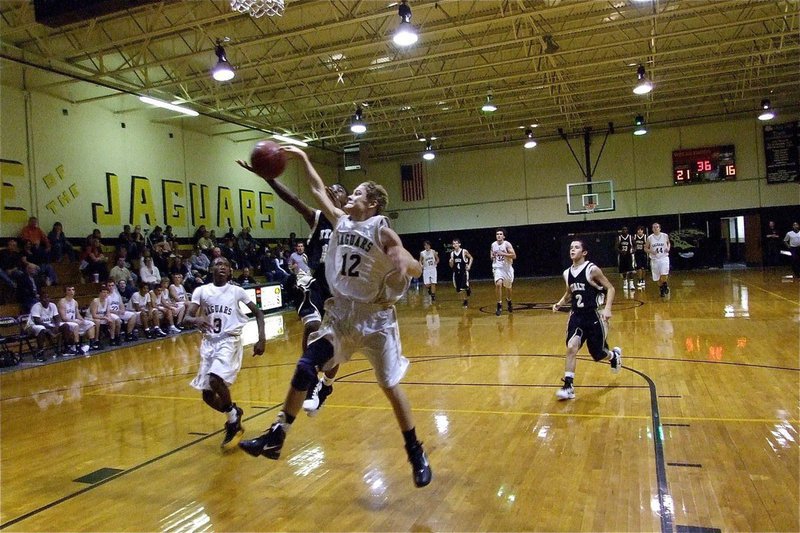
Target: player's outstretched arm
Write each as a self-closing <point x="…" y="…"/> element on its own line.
<point x="599" y="278"/>
<point x="258" y="349"/>
<point x="315" y="182"/>
<point x="402" y="259"/>
<point x="285" y="194"/>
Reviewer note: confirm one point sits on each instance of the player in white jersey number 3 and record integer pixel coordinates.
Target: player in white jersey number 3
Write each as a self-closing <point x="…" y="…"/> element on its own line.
<point x="221" y="349"/>
<point x="367" y="270"/>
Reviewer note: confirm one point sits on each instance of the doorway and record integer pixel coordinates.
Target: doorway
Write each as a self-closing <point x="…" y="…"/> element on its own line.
<point x="733" y="237"/>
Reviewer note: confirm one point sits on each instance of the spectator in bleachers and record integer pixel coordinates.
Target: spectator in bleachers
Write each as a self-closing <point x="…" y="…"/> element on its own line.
<point x="247" y="248"/>
<point x="229" y="235"/>
<point x="200" y="263"/>
<point x="137" y="244"/>
<point x="100" y="313"/>
<point x="28" y="286"/>
<point x="198" y="233"/>
<point x="126" y="289"/>
<point x="149" y="273"/>
<point x="141" y="303"/>
<point x="34" y="234"/>
<point x="121" y="272"/>
<point x="94" y="261"/>
<point x="161" y="252"/>
<point x="30" y="255"/>
<point x="205" y="243"/>
<point x="59" y="245"/>
<point x="155" y="237"/>
<point x="231" y="254"/>
<point x="159" y="297"/>
<point x="169" y="235"/>
<point x="125" y="238"/>
<point x="174" y="265"/>
<point x="245" y="278"/>
<point x="191" y="277"/>
<point x="43" y="324"/>
<point x="76" y="326"/>
<point x="11" y="264"/>
<point x="95" y="234"/>
<point x="213" y="236"/>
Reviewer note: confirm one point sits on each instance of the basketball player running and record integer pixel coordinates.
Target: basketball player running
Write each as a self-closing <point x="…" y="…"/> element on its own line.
<point x="502" y="255"/>
<point x="315" y="289"/>
<point x="368" y="270"/>
<point x="625" y="250"/>
<point x="588" y="288"/>
<point x="461" y="263"/>
<point x="658" y="247"/>
<point x="221" y="348"/>
<point x="640" y="255"/>
<point x="429" y="260"/>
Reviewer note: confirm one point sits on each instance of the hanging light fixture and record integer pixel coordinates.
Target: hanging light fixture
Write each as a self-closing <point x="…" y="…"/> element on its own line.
<point x="530" y="142"/>
<point x="222" y="71"/>
<point x="489" y="106"/>
<point x="167" y="105"/>
<point x="357" y="125"/>
<point x="406" y="34"/>
<point x="766" y="110"/>
<point x="429" y="155"/>
<point x="640" y="128"/>
<point x="643" y="86"/>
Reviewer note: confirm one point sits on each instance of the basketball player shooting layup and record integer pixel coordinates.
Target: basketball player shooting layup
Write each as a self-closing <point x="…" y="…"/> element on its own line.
<point x="221" y="348"/>
<point x="368" y="270"/>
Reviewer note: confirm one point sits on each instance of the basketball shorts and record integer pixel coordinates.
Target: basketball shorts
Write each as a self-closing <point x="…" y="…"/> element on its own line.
<point x="461" y="281"/>
<point x="312" y="306"/>
<point x="659" y="267"/>
<point x="589" y="328"/>
<point x="222" y="357"/>
<point x="640" y="259"/>
<point x="80" y="326"/>
<point x="625" y="263"/>
<point x="34" y="329"/>
<point x="504" y="274"/>
<point x="366" y="328"/>
<point x="429" y="276"/>
<point x="126" y="315"/>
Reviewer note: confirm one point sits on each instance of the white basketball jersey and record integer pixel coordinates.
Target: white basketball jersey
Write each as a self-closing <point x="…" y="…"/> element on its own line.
<point x="658" y="245"/>
<point x="115" y="304"/>
<point x="501" y="260"/>
<point x="221" y="306"/>
<point x="356" y="266"/>
<point x="180" y="293"/>
<point x="46" y="314"/>
<point x="428" y="259"/>
<point x="70" y="308"/>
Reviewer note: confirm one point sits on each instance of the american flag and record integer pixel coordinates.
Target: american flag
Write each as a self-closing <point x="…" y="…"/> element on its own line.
<point x="413" y="182"/>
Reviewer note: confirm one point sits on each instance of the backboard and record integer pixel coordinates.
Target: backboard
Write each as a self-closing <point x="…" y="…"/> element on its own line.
<point x="590" y="197"/>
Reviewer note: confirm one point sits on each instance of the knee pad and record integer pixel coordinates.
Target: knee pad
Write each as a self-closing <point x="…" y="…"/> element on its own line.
<point x="305" y="375"/>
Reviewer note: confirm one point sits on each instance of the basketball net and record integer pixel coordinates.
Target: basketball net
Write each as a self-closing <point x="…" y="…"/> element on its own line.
<point x="258" y="8"/>
<point x="590" y="207"/>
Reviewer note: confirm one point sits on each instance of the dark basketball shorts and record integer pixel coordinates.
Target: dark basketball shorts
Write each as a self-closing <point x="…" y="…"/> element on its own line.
<point x="590" y="329"/>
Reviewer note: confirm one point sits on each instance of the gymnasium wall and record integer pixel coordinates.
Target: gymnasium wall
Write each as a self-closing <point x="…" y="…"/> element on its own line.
<point x="77" y="164"/>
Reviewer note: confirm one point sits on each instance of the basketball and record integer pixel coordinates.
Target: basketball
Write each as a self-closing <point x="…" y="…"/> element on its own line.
<point x="268" y="159"/>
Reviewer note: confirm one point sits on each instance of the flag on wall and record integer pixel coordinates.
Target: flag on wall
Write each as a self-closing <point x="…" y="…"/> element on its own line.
<point x="413" y="182"/>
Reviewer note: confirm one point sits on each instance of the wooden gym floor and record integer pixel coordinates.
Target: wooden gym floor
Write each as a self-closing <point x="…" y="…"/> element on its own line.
<point x="699" y="430"/>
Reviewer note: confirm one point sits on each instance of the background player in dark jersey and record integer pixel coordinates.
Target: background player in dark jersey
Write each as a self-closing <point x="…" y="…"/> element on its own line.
<point x="589" y="289"/>
<point x="640" y="255"/>
<point x="625" y="251"/>
<point x="315" y="288"/>
<point x="461" y="262"/>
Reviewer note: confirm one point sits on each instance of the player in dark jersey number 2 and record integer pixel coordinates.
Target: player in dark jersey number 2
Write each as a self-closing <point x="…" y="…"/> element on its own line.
<point x="592" y="296"/>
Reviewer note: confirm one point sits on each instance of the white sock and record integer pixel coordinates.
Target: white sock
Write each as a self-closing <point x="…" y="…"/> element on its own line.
<point x="232" y="415"/>
<point x="326" y="380"/>
<point x="569" y="375"/>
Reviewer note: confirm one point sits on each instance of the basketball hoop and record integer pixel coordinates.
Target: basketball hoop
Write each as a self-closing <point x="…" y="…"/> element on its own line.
<point x="258" y="8"/>
<point x="590" y="207"/>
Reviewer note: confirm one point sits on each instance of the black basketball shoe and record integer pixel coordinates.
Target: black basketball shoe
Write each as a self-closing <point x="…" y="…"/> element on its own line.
<point x="233" y="431"/>
<point x="420" y="467"/>
<point x="269" y="444"/>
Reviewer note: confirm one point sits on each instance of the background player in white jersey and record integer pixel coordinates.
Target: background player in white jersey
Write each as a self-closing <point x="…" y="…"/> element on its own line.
<point x="221" y="349"/>
<point x="502" y="255"/>
<point x="429" y="260"/>
<point x="100" y="312"/>
<point x="43" y="323"/>
<point x="116" y="305"/>
<point x="658" y="247"/>
<point x="70" y="314"/>
<point x="367" y="270"/>
<point x="589" y="290"/>
<point x="461" y="263"/>
<point x="315" y="289"/>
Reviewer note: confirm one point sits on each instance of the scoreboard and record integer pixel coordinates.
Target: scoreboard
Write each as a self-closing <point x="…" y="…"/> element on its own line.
<point x="703" y="165"/>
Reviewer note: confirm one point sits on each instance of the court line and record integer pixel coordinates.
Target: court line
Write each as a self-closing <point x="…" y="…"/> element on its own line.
<point x="765" y="290"/>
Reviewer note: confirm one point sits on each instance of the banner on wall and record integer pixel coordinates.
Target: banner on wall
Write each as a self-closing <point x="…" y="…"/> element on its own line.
<point x="782" y="152"/>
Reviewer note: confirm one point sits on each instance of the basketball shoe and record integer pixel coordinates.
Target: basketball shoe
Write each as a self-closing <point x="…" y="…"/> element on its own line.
<point x="315" y="397"/>
<point x="567" y="391"/>
<point x="616" y="359"/>
<point x="269" y="444"/>
<point x="510" y="307"/>
<point x="233" y="431"/>
<point x="420" y="467"/>
<point x="499" y="309"/>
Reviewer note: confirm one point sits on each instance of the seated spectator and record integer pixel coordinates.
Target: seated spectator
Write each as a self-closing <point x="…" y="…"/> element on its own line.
<point x="245" y="278"/>
<point x="40" y="245"/>
<point x="199" y="232"/>
<point x="77" y="327"/>
<point x="137" y="247"/>
<point x="161" y="253"/>
<point x="160" y="301"/>
<point x="169" y="236"/>
<point x="29" y="255"/>
<point x="141" y="303"/>
<point x="28" y="287"/>
<point x="95" y="263"/>
<point x="272" y="268"/>
<point x="191" y="277"/>
<point x="43" y="324"/>
<point x="59" y="245"/>
<point x="11" y="266"/>
<point x="174" y="265"/>
<point x="100" y="313"/>
<point x="149" y="273"/>
<point x="155" y="237"/>
<point x="200" y="263"/>
<point x="125" y="238"/>
<point x="116" y="305"/>
<point x="121" y="272"/>
<point x="205" y="243"/>
<point x="95" y="234"/>
<point x="229" y="252"/>
<point x="125" y="289"/>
